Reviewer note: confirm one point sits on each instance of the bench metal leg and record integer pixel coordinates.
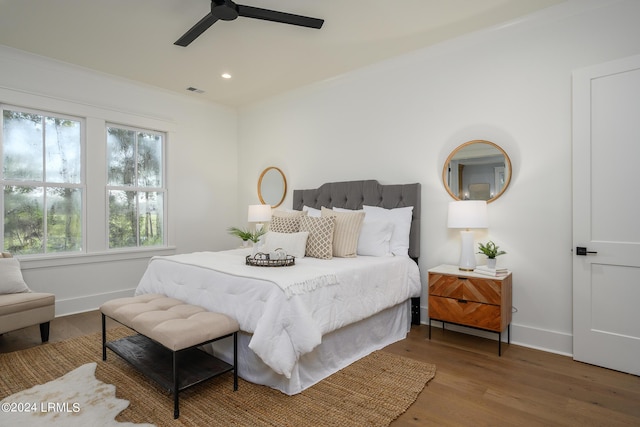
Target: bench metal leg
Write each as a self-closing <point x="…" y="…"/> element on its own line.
<point x="104" y="338"/>
<point x="176" y="390"/>
<point x="235" y="361"/>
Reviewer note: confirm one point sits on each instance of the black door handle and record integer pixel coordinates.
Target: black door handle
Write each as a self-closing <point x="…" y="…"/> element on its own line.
<point x="580" y="250"/>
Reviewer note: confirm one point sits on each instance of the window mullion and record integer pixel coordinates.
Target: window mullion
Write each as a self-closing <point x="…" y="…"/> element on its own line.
<point x="43" y="122"/>
<point x="45" y="217"/>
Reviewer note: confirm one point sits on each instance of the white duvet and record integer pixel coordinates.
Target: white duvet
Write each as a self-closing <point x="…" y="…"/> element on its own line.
<point x="285" y="325"/>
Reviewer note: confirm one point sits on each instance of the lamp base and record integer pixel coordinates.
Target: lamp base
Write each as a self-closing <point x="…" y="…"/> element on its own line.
<point x="467" y="257"/>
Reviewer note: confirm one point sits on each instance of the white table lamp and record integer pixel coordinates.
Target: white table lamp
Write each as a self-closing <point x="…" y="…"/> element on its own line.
<point x="467" y="214"/>
<point x="259" y="214"/>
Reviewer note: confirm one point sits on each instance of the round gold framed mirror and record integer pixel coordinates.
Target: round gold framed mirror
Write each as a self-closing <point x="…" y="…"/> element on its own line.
<point x="272" y="187"/>
<point x="477" y="170"/>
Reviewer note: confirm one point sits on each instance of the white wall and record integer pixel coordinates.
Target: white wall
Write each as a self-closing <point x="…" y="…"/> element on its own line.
<point x="397" y="122"/>
<point x="201" y="170"/>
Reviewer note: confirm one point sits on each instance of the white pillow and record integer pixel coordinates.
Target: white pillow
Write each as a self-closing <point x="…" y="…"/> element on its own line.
<point x="401" y="219"/>
<point x="375" y="238"/>
<point x="375" y="235"/>
<point x="312" y="212"/>
<point x="292" y="243"/>
<point x="11" y="281"/>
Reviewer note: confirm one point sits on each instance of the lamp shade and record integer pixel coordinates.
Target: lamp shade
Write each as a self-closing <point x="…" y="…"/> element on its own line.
<point x="259" y="213"/>
<point x="468" y="214"/>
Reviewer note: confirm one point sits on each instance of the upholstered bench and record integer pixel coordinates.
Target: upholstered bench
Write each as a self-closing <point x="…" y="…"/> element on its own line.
<point x="169" y="334"/>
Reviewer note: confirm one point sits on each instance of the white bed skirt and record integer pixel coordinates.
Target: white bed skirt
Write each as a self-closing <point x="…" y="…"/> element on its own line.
<point x="338" y="350"/>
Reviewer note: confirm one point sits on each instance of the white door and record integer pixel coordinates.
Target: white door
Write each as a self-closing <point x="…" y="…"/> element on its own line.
<point x="606" y="215"/>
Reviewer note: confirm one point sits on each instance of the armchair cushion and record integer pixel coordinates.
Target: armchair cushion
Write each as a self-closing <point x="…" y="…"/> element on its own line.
<point x="24" y="309"/>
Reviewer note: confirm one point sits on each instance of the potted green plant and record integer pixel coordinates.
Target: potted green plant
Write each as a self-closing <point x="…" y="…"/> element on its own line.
<point x="247" y="235"/>
<point x="491" y="250"/>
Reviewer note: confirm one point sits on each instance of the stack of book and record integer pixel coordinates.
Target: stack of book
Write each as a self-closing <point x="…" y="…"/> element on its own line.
<point x="483" y="269"/>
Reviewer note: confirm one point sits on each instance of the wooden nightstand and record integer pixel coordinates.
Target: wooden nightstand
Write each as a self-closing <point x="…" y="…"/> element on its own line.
<point x="470" y="299"/>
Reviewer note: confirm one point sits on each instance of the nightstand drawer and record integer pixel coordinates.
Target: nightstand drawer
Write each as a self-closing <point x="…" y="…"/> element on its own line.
<point x="486" y="291"/>
<point x="469" y="313"/>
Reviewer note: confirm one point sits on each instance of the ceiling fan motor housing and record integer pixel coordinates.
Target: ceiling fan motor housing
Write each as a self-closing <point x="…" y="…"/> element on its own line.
<point x="224" y="9"/>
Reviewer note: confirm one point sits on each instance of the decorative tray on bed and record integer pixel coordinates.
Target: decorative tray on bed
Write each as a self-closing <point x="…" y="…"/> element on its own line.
<point x="264" y="260"/>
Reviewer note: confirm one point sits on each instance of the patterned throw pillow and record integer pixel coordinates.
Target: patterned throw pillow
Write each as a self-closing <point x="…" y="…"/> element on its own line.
<point x="347" y="231"/>
<point x="320" y="240"/>
<point x="288" y="214"/>
<point x="286" y="222"/>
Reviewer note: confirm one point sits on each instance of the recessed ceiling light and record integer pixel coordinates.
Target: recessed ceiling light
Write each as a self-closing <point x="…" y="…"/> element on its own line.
<point x="226" y="76"/>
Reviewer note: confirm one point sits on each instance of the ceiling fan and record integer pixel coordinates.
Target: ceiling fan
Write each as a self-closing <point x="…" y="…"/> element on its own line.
<point x="227" y="10"/>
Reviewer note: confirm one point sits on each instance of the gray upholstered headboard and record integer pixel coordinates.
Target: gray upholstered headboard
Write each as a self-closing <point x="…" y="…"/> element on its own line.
<point x="354" y="194"/>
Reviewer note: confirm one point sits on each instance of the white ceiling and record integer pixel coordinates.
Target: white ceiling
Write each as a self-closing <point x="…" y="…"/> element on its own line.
<point x="134" y="38"/>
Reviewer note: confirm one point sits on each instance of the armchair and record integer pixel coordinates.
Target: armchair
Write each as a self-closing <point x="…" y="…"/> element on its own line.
<point x="19" y="306"/>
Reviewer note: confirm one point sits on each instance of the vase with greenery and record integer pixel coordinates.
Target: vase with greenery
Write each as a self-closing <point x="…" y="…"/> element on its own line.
<point x="491" y="250"/>
<point x="247" y="235"/>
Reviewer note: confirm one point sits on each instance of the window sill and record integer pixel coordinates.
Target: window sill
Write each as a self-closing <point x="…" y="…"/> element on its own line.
<point x="46" y="261"/>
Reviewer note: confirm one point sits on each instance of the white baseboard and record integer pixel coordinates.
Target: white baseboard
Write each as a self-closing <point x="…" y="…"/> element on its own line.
<point x="542" y="339"/>
<point x="525" y="336"/>
<point x="85" y="303"/>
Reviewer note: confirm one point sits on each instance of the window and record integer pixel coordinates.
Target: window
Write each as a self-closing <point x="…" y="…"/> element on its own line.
<point x="135" y="165"/>
<point x="42" y="182"/>
<point x="58" y="198"/>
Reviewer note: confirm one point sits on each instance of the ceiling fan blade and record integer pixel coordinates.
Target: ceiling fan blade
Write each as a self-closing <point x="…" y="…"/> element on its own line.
<point x="275" y="16"/>
<point x="196" y="30"/>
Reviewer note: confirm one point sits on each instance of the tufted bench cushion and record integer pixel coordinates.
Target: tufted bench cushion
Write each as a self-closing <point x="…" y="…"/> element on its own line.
<point x="169" y="321"/>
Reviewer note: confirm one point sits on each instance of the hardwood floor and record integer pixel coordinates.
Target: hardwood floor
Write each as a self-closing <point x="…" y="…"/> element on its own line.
<point x="524" y="387"/>
<point x="473" y="386"/>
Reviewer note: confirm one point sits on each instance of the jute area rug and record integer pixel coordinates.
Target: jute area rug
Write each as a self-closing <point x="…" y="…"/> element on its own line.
<point x="371" y="392"/>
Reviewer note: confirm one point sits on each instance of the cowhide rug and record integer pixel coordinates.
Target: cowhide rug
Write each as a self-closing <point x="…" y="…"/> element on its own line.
<point x="77" y="398"/>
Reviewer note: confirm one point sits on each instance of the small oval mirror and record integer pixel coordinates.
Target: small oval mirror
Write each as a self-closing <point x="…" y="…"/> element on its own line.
<point x="272" y="187"/>
<point x="477" y="170"/>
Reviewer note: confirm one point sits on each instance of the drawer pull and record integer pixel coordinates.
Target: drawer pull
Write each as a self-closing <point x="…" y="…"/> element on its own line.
<point x="463" y="278"/>
<point x="462" y="301"/>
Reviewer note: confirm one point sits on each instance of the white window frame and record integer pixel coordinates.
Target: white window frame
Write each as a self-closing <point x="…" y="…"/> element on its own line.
<point x="162" y="189"/>
<point x="45" y="184"/>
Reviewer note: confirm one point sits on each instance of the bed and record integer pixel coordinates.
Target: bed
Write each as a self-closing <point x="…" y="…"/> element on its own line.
<point x="300" y="324"/>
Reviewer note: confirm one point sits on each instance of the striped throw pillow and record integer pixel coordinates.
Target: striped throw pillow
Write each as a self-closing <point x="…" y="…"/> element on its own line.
<point x="346" y="233"/>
